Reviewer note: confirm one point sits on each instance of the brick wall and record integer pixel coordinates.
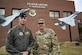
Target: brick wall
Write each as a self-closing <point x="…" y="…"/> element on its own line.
<point x="59" y="5"/>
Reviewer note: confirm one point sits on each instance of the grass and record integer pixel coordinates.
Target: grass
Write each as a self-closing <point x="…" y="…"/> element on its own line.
<point x="71" y="49"/>
<point x="66" y="49"/>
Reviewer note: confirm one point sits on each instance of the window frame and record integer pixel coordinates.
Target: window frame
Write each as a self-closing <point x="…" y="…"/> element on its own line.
<point x="56" y="14"/>
<point x="16" y="9"/>
<point x="67" y="13"/>
<point x="3" y="11"/>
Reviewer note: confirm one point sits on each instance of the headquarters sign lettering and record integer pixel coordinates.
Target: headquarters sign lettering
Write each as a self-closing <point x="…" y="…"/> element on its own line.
<point x="37" y="5"/>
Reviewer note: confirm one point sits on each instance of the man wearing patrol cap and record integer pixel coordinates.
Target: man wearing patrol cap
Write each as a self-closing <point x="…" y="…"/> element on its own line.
<point x="46" y="42"/>
<point x="41" y="21"/>
<point x="19" y="39"/>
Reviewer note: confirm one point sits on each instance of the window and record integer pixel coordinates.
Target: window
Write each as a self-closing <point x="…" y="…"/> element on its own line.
<point x="79" y="21"/>
<point x="54" y="14"/>
<point x="2" y="11"/>
<point x="66" y="13"/>
<point x="15" y="11"/>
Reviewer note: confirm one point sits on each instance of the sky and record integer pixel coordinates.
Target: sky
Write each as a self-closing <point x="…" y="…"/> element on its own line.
<point x="78" y="5"/>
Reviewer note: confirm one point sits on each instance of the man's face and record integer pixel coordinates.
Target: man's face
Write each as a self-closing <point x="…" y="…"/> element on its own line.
<point x="22" y="20"/>
<point x="41" y="26"/>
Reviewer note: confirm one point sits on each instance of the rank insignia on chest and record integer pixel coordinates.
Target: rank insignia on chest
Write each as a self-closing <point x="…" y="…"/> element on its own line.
<point x="26" y="33"/>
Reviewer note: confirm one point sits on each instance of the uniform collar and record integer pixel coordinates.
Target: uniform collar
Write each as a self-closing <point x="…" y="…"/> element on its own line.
<point x="23" y="30"/>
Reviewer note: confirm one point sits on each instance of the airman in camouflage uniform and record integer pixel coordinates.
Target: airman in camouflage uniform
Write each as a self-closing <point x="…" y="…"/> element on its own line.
<point x="46" y="42"/>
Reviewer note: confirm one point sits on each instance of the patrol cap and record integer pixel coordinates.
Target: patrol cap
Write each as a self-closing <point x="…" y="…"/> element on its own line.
<point x="41" y="21"/>
<point x="23" y="14"/>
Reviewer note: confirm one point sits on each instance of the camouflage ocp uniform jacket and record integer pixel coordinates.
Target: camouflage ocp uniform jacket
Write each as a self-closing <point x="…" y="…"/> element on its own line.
<point x="46" y="43"/>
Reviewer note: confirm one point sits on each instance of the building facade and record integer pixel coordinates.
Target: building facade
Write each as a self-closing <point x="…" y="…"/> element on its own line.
<point x="50" y="10"/>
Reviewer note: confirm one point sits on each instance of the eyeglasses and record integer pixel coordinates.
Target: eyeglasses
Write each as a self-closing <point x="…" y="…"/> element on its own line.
<point x="40" y="23"/>
<point x="23" y="17"/>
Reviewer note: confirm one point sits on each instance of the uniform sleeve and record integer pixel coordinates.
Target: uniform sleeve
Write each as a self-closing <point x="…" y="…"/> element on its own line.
<point x="31" y="42"/>
<point x="9" y="44"/>
<point x="55" y="45"/>
<point x="35" y="46"/>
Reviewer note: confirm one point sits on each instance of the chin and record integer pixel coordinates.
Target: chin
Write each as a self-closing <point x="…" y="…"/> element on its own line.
<point x="22" y="24"/>
<point x="41" y="28"/>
